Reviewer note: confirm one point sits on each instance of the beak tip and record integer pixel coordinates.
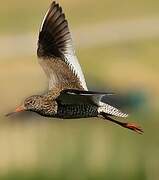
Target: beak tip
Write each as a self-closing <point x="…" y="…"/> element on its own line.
<point x="9" y="114"/>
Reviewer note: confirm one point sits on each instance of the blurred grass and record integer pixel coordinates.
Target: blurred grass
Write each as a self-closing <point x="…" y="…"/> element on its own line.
<point x="33" y="147"/>
<point x="76" y="149"/>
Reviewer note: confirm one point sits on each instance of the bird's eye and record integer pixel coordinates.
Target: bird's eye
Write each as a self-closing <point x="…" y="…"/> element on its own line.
<point x="31" y="101"/>
<point x="28" y="103"/>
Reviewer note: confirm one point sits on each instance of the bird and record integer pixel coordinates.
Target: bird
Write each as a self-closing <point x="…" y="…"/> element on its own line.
<point x="68" y="96"/>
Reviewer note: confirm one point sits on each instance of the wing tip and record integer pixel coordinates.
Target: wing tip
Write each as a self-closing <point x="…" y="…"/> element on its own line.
<point x="55" y="4"/>
<point x="52" y="30"/>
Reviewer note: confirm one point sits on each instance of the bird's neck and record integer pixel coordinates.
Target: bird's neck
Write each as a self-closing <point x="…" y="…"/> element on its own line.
<point x="48" y="107"/>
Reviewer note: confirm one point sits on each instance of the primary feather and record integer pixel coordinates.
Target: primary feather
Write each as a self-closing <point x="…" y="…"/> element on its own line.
<point x="55" y="48"/>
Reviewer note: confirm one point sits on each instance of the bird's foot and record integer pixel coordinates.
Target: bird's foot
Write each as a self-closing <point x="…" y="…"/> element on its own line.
<point x="133" y="127"/>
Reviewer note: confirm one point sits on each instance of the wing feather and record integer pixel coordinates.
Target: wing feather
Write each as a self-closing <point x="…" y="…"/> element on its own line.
<point x="74" y="96"/>
<point x="55" y="47"/>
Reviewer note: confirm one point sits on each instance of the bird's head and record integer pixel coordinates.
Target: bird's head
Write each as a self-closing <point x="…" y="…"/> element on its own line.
<point x="32" y="103"/>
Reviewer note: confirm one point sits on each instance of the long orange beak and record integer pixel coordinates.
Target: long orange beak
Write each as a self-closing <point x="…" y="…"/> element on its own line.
<point x="18" y="109"/>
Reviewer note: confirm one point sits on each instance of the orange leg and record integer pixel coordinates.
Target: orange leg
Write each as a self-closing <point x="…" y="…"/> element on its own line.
<point x="130" y="126"/>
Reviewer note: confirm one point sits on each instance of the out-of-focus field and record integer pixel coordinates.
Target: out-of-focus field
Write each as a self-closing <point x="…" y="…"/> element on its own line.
<point x="33" y="147"/>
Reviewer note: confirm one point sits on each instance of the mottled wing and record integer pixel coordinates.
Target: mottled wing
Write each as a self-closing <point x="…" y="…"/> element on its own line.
<point x="56" y="52"/>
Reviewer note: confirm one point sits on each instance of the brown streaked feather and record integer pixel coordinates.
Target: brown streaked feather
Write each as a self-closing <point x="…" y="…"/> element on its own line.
<point x="59" y="71"/>
<point x="56" y="51"/>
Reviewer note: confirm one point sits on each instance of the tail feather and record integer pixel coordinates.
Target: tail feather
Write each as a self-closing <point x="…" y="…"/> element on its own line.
<point x="110" y="110"/>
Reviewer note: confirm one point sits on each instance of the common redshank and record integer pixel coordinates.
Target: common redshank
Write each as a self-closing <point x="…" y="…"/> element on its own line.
<point x="68" y="96"/>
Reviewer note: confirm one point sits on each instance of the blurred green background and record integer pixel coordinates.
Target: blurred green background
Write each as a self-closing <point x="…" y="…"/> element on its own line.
<point x="118" y="47"/>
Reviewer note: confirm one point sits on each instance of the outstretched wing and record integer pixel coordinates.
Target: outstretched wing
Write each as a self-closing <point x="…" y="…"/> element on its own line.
<point x="56" y="52"/>
<point x="71" y="96"/>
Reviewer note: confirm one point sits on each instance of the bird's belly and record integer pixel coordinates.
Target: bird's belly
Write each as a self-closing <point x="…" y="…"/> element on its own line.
<point x="76" y="111"/>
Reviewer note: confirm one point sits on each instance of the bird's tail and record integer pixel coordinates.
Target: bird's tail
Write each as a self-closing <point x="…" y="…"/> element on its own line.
<point x="105" y="110"/>
<point x="110" y="110"/>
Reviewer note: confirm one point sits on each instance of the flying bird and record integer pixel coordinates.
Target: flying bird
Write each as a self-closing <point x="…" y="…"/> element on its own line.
<point x="67" y="96"/>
